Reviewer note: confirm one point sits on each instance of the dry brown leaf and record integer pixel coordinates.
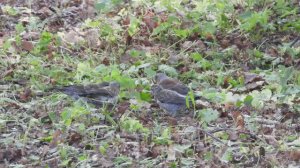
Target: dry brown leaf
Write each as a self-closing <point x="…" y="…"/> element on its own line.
<point x="25" y="20"/>
<point x="238" y="119"/>
<point x="272" y="51"/>
<point x="173" y="58"/>
<point x="71" y="37"/>
<point x="251" y="77"/>
<point x="105" y="61"/>
<point x="233" y="136"/>
<point x="74" y="138"/>
<point x="171" y="153"/>
<point x="7" y="73"/>
<point x="1" y="42"/>
<point x="122" y="107"/>
<point x="27" y="45"/>
<point x="157" y="150"/>
<point x="183" y="69"/>
<point x="92" y="38"/>
<point x="271" y="140"/>
<point x="225" y="43"/>
<point x="26" y="94"/>
<point x="31" y="36"/>
<point x="105" y="163"/>
<point x="44" y="12"/>
<point x="45" y="150"/>
<point x="294" y="155"/>
<point x="11" y="154"/>
<point x="171" y="120"/>
<point x="149" y="20"/>
<point x="193" y="45"/>
<point x="254" y="85"/>
<point x="253" y="81"/>
<point x="56" y="138"/>
<point x="127" y="59"/>
<point x="209" y="37"/>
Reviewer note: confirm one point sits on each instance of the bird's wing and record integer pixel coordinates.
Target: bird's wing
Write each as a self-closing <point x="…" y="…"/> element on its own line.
<point x="175" y="86"/>
<point x="95" y="92"/>
<point x="71" y="90"/>
<point x="169" y="96"/>
<point x="101" y="85"/>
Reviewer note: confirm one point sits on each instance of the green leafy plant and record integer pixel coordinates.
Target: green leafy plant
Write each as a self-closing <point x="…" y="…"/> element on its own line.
<point x="123" y="161"/>
<point x="10" y="10"/>
<point x="43" y="43"/>
<point x="252" y="19"/>
<point x="182" y="33"/>
<point x="105" y="6"/>
<point x="167" y="26"/>
<point x="133" y="26"/>
<point x="202" y="62"/>
<point x="208" y="115"/>
<point x="164" y="139"/>
<point x="19" y="29"/>
<point x="259" y="98"/>
<point x="208" y="156"/>
<point x="285" y="75"/>
<point x="72" y="113"/>
<point x="168" y="69"/>
<point x="190" y="98"/>
<point x="64" y="155"/>
<point x="103" y="148"/>
<point x="227" y="156"/>
<point x="132" y="126"/>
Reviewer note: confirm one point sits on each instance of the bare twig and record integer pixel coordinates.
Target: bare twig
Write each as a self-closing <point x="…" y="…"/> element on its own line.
<point x="295" y="41"/>
<point x="213" y="137"/>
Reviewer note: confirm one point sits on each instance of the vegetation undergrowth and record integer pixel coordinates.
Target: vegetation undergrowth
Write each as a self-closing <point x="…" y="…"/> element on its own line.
<point x="241" y="57"/>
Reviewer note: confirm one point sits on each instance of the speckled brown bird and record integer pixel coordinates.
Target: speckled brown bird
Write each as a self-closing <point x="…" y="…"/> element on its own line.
<point x="169" y="100"/>
<point x="97" y="94"/>
<point x="170" y="94"/>
<point x="171" y="84"/>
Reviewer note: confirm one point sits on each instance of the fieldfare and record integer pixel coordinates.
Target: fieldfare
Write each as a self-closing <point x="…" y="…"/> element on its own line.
<point x="170" y="94"/>
<point x="105" y="93"/>
<point x="171" y="84"/>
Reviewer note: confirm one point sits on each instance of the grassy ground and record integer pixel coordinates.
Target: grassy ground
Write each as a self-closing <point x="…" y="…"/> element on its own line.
<point x="241" y="57"/>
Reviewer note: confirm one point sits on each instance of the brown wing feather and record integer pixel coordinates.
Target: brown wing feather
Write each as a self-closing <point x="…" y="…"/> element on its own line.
<point x="168" y="96"/>
<point x="175" y="86"/>
<point x="92" y="90"/>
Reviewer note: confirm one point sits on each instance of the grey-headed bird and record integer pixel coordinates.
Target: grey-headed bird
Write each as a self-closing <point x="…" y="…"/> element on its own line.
<point x="171" y="84"/>
<point x="171" y="94"/>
